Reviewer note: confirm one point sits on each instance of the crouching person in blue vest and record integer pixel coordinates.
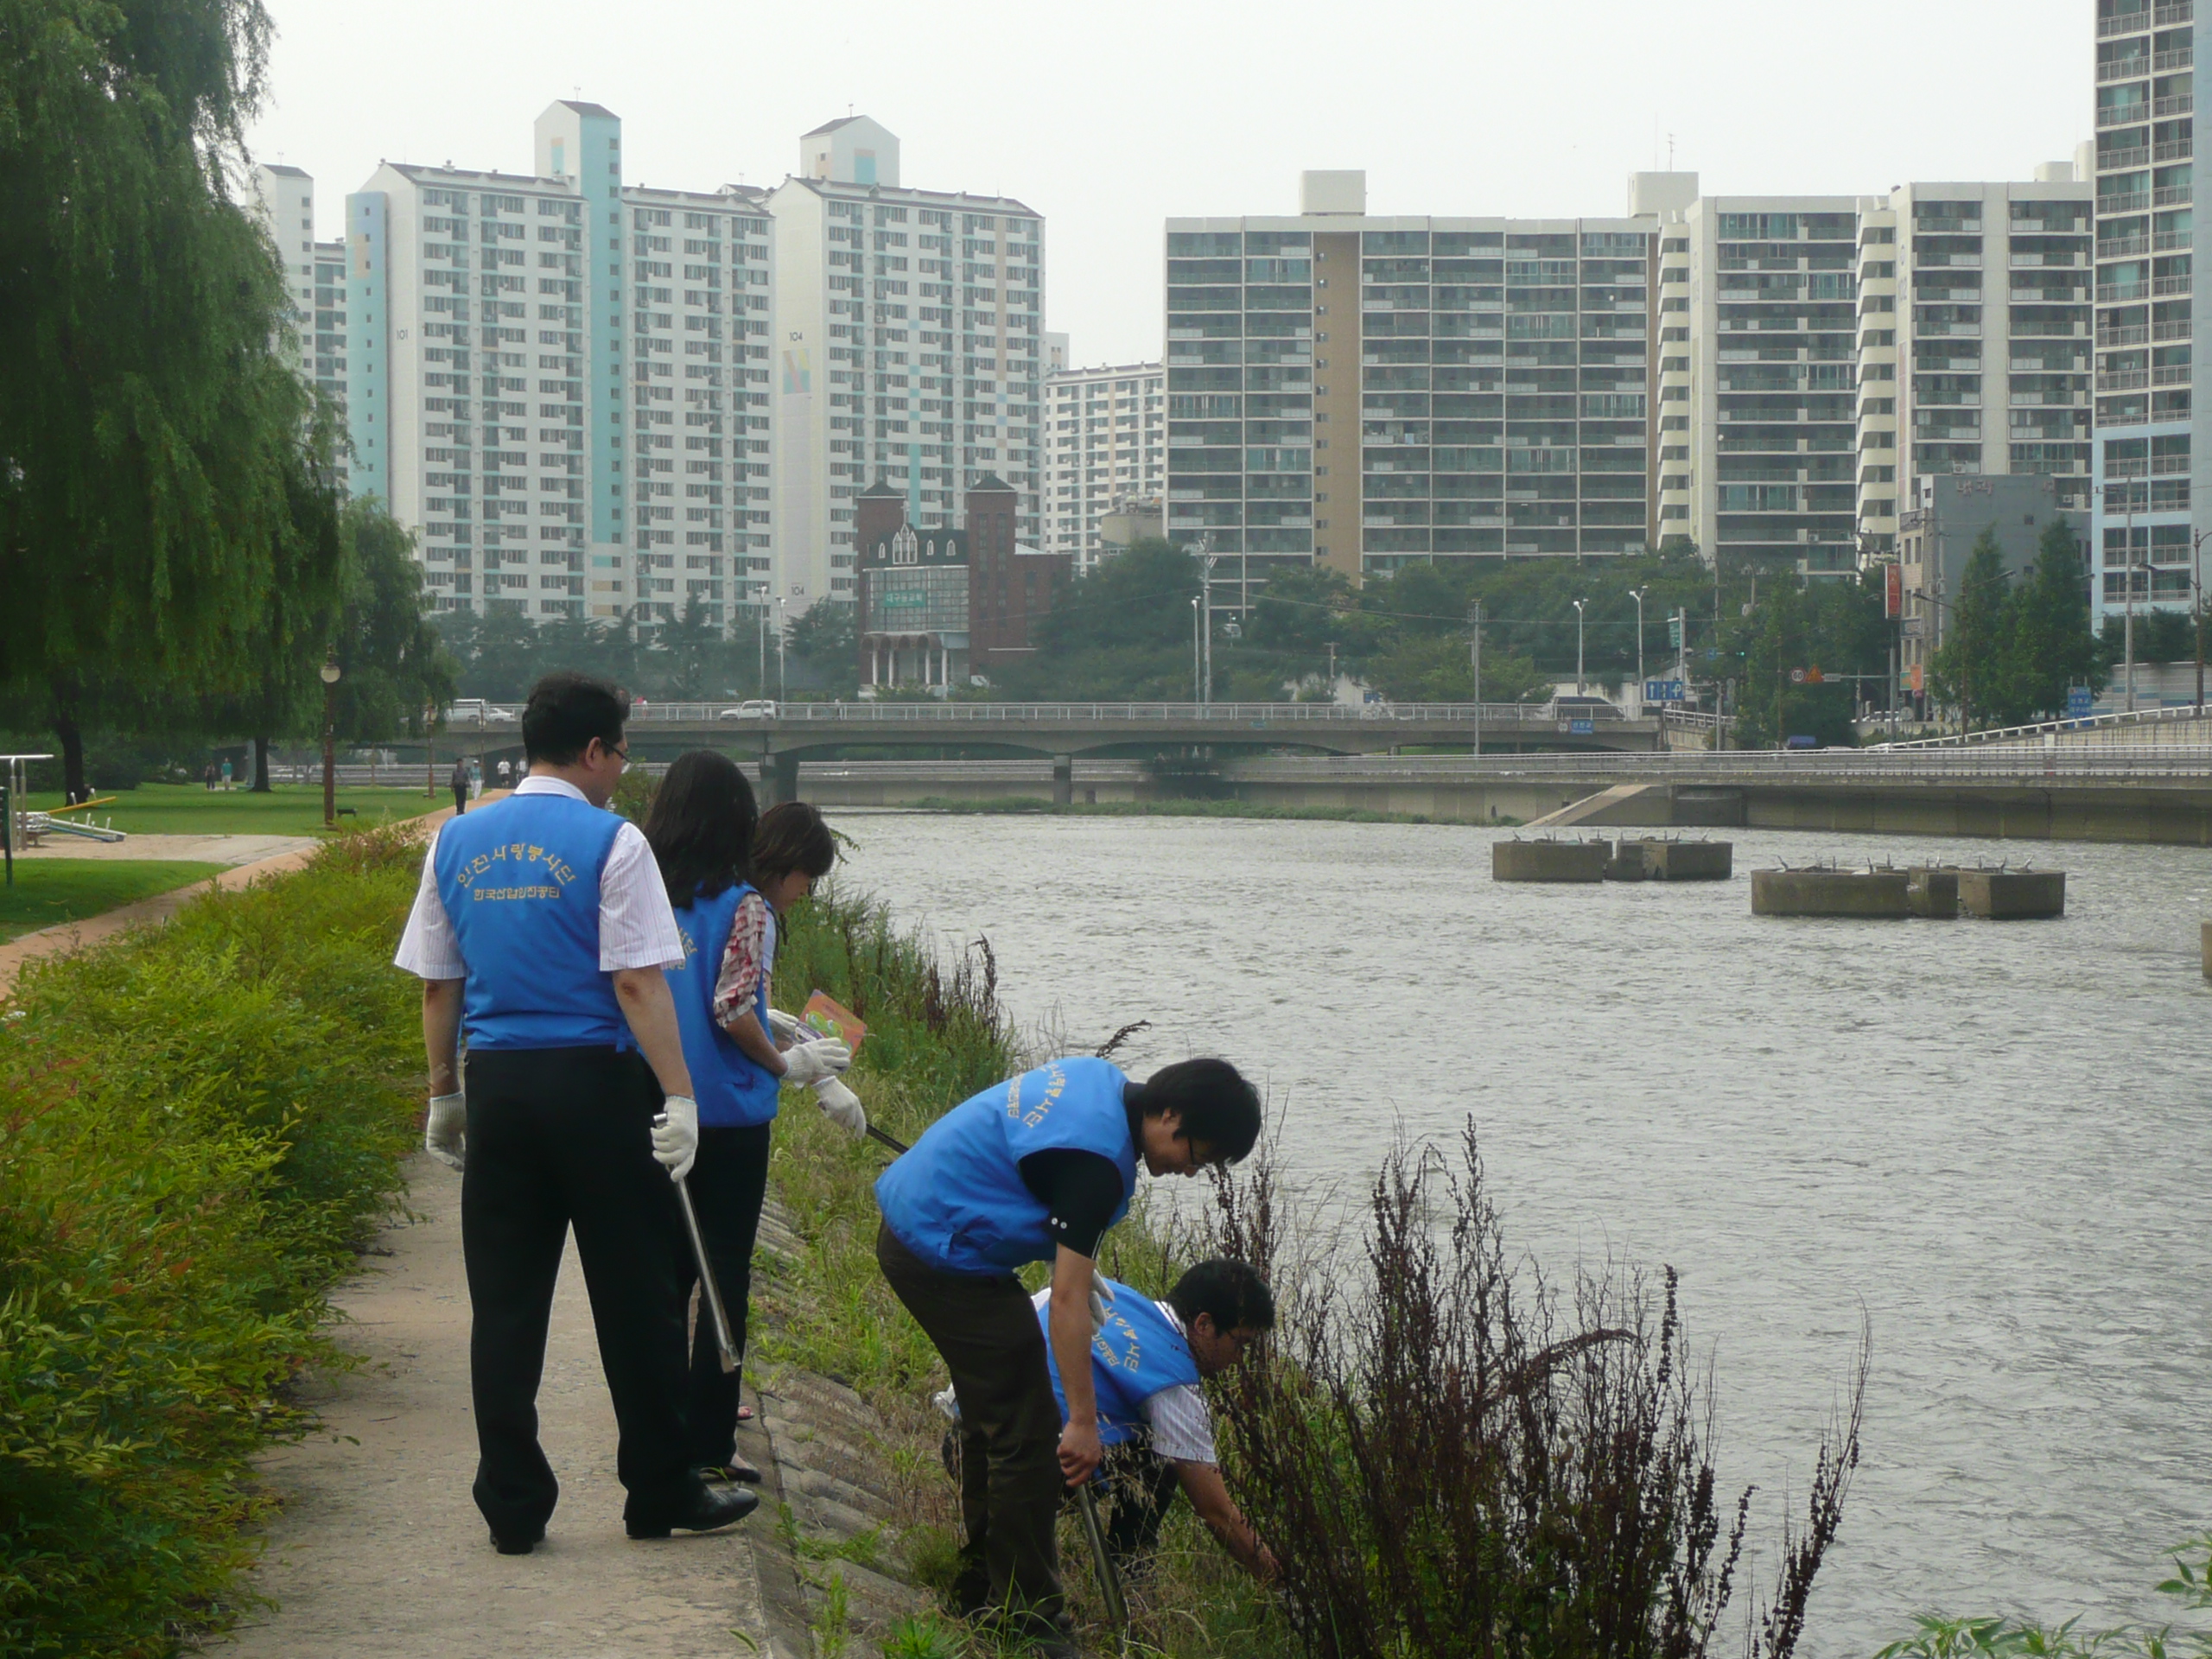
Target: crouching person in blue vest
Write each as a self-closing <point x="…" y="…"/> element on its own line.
<point x="732" y="879"/>
<point x="1147" y="1358"/>
<point x="542" y="928"/>
<point x="1036" y="1169"/>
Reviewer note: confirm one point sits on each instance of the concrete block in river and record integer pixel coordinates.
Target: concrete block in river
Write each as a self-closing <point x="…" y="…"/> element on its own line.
<point x="1549" y="860"/>
<point x="1629" y="863"/>
<point x="1933" y="891"/>
<point x="1830" y="892"/>
<point x="2204" y="930"/>
<point x="1690" y="860"/>
<point x="2013" y="895"/>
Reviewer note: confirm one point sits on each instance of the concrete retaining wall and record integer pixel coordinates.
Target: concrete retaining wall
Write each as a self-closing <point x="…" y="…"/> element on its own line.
<point x="2013" y="895"/>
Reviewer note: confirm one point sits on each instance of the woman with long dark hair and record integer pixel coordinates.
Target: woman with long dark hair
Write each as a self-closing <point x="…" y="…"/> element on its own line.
<point x="701" y="827"/>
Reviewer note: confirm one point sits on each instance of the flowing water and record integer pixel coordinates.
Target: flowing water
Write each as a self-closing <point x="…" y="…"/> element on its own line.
<point x="1993" y="1141"/>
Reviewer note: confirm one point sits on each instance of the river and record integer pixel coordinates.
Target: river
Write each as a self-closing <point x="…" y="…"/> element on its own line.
<point x="1994" y="1138"/>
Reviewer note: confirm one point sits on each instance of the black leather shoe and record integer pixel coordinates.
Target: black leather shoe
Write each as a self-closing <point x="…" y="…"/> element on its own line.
<point x="519" y="1546"/>
<point x="708" y="1509"/>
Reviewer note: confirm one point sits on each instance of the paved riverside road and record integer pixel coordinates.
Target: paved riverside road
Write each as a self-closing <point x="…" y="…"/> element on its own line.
<point x="379" y="1549"/>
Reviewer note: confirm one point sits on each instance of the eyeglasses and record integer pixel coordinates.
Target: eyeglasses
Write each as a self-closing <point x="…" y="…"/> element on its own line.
<point x="621" y="754"/>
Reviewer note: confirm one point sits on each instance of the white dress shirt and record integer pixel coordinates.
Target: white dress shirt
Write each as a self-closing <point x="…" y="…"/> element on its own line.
<point x="637" y="929"/>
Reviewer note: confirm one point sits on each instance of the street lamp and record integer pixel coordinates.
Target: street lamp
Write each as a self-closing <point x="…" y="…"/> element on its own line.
<point x="1638" y="594"/>
<point x="2127" y="491"/>
<point x="1197" y="661"/>
<point x="330" y="672"/>
<point x="2196" y="588"/>
<point x="1579" y="687"/>
<point x="783" y="664"/>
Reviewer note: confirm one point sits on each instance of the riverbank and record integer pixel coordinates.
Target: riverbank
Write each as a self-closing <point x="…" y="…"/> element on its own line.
<point x="1029" y="806"/>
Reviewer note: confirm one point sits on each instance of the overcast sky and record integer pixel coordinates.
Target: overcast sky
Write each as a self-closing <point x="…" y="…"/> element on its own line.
<point x="1107" y="119"/>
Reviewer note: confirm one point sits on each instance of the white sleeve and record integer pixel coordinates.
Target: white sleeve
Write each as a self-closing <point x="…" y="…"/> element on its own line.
<point x="637" y="928"/>
<point x="428" y="949"/>
<point x="1182" y="1426"/>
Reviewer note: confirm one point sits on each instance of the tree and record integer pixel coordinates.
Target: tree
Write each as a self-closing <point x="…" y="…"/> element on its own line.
<point x="1440" y="668"/>
<point x="1971" y="670"/>
<point x="825" y="640"/>
<point x="693" y="654"/>
<point x="2049" y="645"/>
<point x="158" y="473"/>
<point x="395" y="671"/>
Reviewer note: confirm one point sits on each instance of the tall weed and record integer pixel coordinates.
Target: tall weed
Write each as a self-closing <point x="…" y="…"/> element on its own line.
<point x="198" y="1125"/>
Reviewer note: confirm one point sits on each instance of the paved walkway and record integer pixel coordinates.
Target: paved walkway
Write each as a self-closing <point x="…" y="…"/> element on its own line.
<point x="379" y="1549"/>
<point x="203" y="850"/>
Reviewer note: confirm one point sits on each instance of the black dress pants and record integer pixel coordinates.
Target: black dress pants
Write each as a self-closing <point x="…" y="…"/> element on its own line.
<point x="728" y="1184"/>
<point x="561" y="1137"/>
<point x="1010" y="1481"/>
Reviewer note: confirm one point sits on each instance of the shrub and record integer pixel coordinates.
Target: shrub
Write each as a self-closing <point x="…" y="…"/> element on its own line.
<point x="1959" y="1638"/>
<point x="1450" y="1459"/>
<point x="198" y="1126"/>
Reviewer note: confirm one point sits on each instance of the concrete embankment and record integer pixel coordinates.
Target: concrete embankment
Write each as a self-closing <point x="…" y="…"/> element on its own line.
<point x="2013" y="895"/>
<point x="1885" y="894"/>
<point x="1549" y="860"/>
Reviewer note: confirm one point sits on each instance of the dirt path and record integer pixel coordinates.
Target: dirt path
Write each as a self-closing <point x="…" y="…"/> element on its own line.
<point x="379" y="1550"/>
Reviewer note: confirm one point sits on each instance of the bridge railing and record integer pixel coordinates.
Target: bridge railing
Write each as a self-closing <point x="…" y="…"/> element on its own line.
<point x="2089" y="723"/>
<point x="1035" y="713"/>
<point x="2116" y="761"/>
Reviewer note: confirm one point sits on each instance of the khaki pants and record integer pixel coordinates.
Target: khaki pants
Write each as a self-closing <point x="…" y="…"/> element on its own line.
<point x="1010" y="1485"/>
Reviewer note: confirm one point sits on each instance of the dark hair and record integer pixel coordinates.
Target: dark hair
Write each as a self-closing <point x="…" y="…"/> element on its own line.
<point x="1218" y="1106"/>
<point x="700" y="826"/>
<point x="792" y="836"/>
<point x="1232" y="1291"/>
<point x="566" y="710"/>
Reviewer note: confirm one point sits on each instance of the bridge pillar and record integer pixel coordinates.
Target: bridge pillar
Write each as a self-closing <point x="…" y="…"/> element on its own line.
<point x="778" y="780"/>
<point x="1063" y="780"/>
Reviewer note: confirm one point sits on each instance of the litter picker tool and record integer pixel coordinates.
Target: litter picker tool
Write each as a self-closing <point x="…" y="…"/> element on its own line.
<point x="1110" y="1576"/>
<point x="725" y="1344"/>
<point x="899" y="1148"/>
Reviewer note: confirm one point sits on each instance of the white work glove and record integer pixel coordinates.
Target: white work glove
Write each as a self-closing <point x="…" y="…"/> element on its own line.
<point x="812" y="1062"/>
<point x="785" y="1029"/>
<point x="676" y="1136"/>
<point x="841" y="1106"/>
<point x="445" y="1132"/>
<point x="1102" y="1303"/>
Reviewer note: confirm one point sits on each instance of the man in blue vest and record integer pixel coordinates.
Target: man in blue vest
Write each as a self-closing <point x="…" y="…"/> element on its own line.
<point x="542" y="928"/>
<point x="1035" y="1169"/>
<point x="1147" y="1358"/>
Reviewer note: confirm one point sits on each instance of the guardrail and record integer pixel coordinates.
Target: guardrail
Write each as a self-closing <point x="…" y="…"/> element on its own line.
<point x="2115" y="761"/>
<point x="987" y="714"/>
<point x="2054" y="728"/>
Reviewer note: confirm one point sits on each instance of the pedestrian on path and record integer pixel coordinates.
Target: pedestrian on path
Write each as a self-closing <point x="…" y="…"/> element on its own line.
<point x="506" y="772"/>
<point x="541" y="927"/>
<point x="209" y="776"/>
<point x="458" y="782"/>
<point x="226" y="772"/>
<point x="702" y="830"/>
<point x="1035" y="1169"/>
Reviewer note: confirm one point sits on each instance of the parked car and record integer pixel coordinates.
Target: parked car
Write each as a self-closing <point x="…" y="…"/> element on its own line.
<point x="758" y="709"/>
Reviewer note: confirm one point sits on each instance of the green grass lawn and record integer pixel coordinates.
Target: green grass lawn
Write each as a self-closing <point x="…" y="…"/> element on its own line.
<point x="288" y="810"/>
<point x="50" y="890"/>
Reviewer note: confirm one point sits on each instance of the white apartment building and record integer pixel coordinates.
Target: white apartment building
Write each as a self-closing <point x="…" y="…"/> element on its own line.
<point x="1974" y="339"/>
<point x="909" y="329"/>
<point x="2149" y="464"/>
<point x="1106" y="444"/>
<point x="560" y="382"/>
<point x="1364" y="393"/>
<point x="314" y="279"/>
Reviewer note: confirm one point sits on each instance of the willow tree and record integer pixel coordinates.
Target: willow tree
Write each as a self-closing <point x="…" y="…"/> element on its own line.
<point x="164" y="494"/>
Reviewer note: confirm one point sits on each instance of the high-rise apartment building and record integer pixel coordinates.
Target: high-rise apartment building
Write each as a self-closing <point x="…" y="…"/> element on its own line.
<point x="910" y="351"/>
<point x="1974" y="339"/>
<point x="1758" y="325"/>
<point x="314" y="278"/>
<point x="1106" y="444"/>
<point x="2149" y="460"/>
<point x="561" y="382"/>
<point x="1362" y="392"/>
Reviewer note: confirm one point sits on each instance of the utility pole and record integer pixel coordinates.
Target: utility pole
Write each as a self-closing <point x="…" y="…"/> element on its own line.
<point x="1203" y="551"/>
<point x="782" y="659"/>
<point x="1198" y="662"/>
<point x="1578" y="681"/>
<point x="1475" y="646"/>
<point x="2130" y="625"/>
<point x="1636" y="593"/>
<point x="2197" y="590"/>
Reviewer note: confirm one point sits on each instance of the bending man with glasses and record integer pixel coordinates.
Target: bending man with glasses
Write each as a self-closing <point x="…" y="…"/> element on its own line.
<point x="542" y="928"/>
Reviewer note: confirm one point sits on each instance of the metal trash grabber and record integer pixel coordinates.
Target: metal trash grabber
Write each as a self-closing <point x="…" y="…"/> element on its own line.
<point x="1101" y="1559"/>
<point x="899" y="1148"/>
<point x="725" y="1344"/>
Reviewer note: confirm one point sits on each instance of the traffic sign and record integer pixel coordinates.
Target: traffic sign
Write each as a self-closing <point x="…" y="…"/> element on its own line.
<point x="1663" y="690"/>
<point x="1674" y="633"/>
<point x="1796" y="676"/>
<point x="2079" y="700"/>
<point x="1582" y="728"/>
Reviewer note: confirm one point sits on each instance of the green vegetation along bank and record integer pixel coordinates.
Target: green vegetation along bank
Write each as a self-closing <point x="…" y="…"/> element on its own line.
<point x="48" y="890"/>
<point x="199" y="1126"/>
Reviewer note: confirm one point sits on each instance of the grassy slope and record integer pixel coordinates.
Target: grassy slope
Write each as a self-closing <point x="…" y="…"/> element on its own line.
<point x="288" y="810"/>
<point x="50" y="890"/>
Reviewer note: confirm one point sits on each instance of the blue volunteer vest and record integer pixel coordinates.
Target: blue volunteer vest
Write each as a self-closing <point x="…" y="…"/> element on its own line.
<point x="519" y="880"/>
<point x="957" y="1200"/>
<point x="1139" y="1353"/>
<point x="733" y="1091"/>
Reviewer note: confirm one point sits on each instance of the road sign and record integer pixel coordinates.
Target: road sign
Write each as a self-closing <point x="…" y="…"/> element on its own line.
<point x="1892" y="591"/>
<point x="1663" y="690"/>
<point x="2079" y="700"/>
<point x="1796" y="676"/>
<point x="1582" y="728"/>
<point x="1674" y="633"/>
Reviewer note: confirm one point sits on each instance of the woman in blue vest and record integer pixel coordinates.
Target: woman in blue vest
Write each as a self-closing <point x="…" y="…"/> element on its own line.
<point x="703" y="831"/>
<point x="1035" y="1169"/>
